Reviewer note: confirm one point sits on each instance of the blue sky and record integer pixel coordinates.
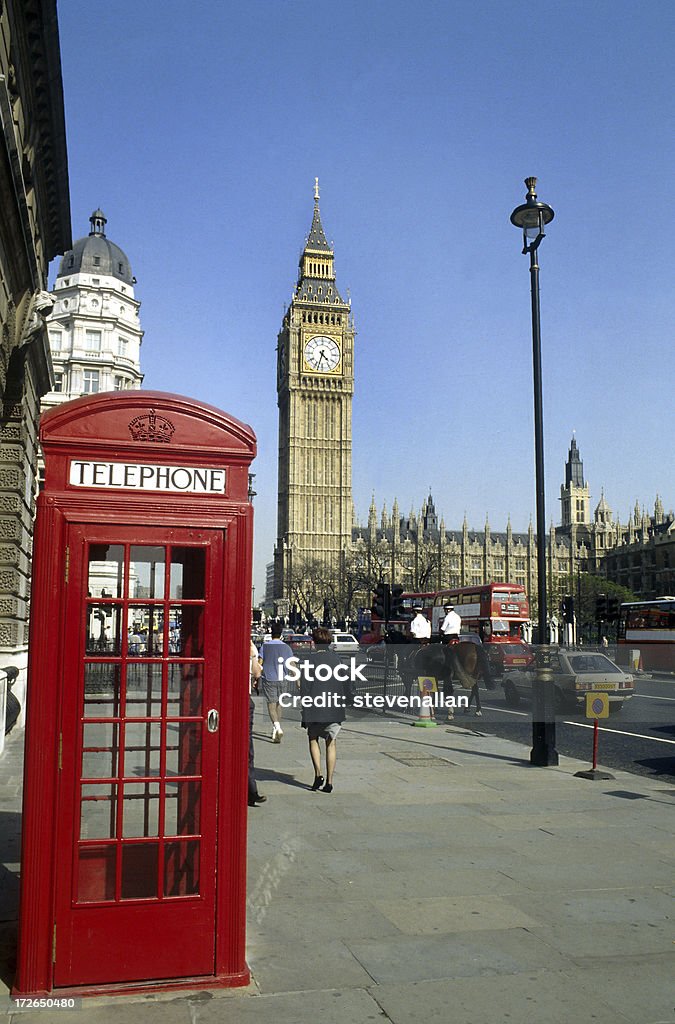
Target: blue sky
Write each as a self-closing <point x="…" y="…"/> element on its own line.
<point x="199" y="131"/>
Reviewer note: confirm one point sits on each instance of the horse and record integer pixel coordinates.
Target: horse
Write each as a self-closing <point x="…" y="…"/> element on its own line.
<point x="462" y="661"/>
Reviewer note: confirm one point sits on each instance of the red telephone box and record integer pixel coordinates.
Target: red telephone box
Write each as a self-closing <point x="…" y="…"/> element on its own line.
<point x="134" y="817"/>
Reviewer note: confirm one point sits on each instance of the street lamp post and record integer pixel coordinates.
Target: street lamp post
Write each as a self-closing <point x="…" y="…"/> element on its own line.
<point x="533" y="216"/>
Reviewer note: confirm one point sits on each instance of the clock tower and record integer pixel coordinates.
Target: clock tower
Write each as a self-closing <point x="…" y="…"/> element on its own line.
<point x="315" y="384"/>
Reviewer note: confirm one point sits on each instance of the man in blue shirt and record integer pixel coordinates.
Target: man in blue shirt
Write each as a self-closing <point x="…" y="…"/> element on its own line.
<point x="275" y="655"/>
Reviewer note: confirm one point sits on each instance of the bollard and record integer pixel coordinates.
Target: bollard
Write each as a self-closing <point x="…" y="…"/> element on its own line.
<point x="426" y="686"/>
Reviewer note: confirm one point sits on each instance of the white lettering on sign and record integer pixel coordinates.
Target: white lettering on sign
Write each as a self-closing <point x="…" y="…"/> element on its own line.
<point x="134" y="476"/>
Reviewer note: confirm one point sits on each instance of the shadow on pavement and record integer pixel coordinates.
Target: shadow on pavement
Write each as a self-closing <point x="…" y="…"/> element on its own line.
<point x="407" y="739"/>
<point x="268" y="775"/>
<point x="659" y="765"/>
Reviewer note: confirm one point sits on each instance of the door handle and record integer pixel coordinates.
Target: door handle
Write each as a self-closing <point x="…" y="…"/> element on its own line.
<point x="212" y="720"/>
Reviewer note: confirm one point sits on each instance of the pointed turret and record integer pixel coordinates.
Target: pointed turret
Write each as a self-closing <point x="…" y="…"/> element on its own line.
<point x="396" y="521"/>
<point x="574" y="493"/>
<point x="316" y="272"/>
<point x="574" y="467"/>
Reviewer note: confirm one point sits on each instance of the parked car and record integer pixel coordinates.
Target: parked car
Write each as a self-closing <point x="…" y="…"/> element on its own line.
<point x="300" y="643"/>
<point x="575" y="673"/>
<point x="509" y="654"/>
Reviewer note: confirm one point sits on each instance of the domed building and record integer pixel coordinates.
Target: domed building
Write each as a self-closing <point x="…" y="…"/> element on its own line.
<point x="94" y="330"/>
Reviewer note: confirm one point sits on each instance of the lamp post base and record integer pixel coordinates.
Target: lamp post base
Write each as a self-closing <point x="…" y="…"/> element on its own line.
<point x="593" y="773"/>
<point x="543" y="753"/>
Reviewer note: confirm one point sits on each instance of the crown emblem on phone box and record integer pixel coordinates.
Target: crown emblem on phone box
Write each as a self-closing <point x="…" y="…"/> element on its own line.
<point x="151" y="427"/>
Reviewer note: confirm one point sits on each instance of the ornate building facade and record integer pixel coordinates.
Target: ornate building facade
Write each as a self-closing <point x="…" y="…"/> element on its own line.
<point x="34" y="227"/>
<point x="95" y="334"/>
<point x="315" y="385"/>
<point x="418" y="551"/>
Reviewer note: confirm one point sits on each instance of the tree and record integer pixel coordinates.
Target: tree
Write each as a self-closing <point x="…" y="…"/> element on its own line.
<point x="585" y="588"/>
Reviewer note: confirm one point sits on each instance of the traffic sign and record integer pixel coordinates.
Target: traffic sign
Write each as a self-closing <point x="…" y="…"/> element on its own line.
<point x="597" y="705"/>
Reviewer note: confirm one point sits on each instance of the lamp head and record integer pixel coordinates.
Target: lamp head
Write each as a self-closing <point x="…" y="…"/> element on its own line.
<point x="532" y="216"/>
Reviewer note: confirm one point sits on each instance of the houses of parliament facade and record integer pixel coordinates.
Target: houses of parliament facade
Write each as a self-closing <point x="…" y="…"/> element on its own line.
<point x="316" y="522"/>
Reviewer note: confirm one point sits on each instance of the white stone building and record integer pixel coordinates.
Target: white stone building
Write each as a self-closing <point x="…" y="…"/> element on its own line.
<point x="95" y="334"/>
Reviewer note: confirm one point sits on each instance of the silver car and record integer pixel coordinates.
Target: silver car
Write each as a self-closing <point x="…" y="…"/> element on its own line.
<point x="575" y="673"/>
<point x="344" y="643"/>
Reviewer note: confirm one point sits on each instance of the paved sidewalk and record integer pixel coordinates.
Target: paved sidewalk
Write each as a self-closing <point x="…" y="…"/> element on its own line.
<point x="444" y="880"/>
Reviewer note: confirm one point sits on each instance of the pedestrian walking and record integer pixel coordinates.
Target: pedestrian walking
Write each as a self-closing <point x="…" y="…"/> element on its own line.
<point x="275" y="655"/>
<point x="326" y="713"/>
<point x="255" y="671"/>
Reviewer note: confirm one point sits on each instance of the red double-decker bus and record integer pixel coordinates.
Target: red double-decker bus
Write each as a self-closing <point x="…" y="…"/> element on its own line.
<point x="648" y="627"/>
<point x="495" y="610"/>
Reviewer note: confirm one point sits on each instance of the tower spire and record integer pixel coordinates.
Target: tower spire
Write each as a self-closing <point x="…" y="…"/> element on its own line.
<point x="316" y="191"/>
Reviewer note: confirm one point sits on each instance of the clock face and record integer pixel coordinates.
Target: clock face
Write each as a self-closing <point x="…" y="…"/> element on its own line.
<point x="322" y="353"/>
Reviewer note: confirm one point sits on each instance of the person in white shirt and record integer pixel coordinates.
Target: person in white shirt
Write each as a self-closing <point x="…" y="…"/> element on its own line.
<point x="451" y="624"/>
<point x="420" y="627"/>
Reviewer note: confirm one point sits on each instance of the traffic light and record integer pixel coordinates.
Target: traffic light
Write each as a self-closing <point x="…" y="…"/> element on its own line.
<point x="396" y="602"/>
<point x="568" y="608"/>
<point x="601" y="608"/>
<point x="612" y="609"/>
<point x="381" y="602"/>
